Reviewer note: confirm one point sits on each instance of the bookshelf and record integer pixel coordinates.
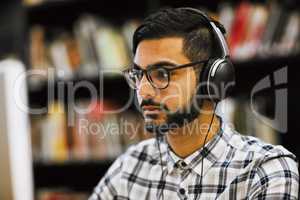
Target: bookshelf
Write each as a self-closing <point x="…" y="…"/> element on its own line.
<point x="256" y="69"/>
<point x="59" y="17"/>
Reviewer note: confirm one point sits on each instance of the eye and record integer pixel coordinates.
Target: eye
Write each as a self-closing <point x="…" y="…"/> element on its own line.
<point x="135" y="71"/>
<point x="159" y="74"/>
<point x="162" y="73"/>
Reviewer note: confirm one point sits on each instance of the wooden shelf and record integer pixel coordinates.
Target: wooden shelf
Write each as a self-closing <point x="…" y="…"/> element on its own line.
<point x="73" y="175"/>
<point x="68" y="11"/>
<point x="248" y="73"/>
<point x="114" y="86"/>
<point x="268" y="62"/>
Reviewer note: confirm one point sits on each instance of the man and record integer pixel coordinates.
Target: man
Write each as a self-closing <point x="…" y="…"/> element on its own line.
<point x="194" y="154"/>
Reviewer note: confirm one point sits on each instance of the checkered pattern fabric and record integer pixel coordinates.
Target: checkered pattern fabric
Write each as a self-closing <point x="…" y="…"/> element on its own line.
<point x="234" y="167"/>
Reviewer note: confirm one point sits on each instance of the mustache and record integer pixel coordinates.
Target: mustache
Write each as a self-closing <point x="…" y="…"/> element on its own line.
<point x="150" y="102"/>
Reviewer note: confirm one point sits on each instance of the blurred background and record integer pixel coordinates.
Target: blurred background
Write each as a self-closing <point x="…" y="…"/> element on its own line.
<point x="71" y="42"/>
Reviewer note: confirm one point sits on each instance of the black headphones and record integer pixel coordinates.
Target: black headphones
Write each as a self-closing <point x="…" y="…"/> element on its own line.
<point x="218" y="75"/>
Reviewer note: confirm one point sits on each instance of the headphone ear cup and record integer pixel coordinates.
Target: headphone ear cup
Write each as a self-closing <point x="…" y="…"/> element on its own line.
<point x="221" y="79"/>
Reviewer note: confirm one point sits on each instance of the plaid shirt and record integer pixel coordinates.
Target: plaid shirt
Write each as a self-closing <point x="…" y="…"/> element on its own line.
<point x="234" y="167"/>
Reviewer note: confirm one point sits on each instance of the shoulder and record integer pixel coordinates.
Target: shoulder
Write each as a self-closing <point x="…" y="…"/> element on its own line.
<point x="248" y="153"/>
<point x="271" y="169"/>
<point x="256" y="148"/>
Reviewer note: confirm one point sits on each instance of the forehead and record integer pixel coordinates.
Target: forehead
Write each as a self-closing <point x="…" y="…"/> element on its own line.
<point x="156" y="50"/>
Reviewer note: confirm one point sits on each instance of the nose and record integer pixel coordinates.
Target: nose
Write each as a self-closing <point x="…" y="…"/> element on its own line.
<point x="145" y="90"/>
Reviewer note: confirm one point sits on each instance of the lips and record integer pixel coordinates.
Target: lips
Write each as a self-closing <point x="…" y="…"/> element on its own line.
<point x="150" y="108"/>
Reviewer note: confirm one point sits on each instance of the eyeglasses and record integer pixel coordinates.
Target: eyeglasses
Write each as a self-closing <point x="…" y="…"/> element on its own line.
<point x="158" y="76"/>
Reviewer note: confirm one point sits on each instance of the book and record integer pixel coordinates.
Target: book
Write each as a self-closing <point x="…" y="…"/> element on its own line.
<point x="111" y="49"/>
<point x="128" y="29"/>
<point x="275" y="12"/>
<point x="80" y="146"/>
<point x="288" y="40"/>
<point x="62" y="194"/>
<point x="54" y="144"/>
<point x="239" y="27"/>
<point x="60" y="58"/>
<point x="84" y="31"/>
<point x="226" y="16"/>
<point x="255" y="29"/>
<point x="38" y="56"/>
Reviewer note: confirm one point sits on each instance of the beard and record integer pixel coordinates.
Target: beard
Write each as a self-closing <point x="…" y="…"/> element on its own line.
<point x="177" y="119"/>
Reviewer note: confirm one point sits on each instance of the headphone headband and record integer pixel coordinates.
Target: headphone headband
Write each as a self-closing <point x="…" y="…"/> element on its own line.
<point x="217" y="31"/>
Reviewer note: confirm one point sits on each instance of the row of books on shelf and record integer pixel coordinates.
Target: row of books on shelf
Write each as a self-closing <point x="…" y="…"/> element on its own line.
<point x="92" y="43"/>
<point x="61" y="195"/>
<point x="261" y="30"/>
<point x="251" y="120"/>
<point x="89" y="133"/>
<point x="253" y="30"/>
<point x="92" y="133"/>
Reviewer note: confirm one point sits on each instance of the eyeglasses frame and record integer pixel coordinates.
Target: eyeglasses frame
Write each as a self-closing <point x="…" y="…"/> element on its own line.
<point x="150" y="67"/>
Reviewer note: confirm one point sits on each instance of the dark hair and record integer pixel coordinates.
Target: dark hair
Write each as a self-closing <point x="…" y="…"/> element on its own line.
<point x="198" y="40"/>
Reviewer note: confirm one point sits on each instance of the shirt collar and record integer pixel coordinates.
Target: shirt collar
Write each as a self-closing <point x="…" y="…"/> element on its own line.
<point x="211" y="152"/>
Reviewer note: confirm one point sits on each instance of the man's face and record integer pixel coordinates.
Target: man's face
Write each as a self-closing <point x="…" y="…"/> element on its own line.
<point x="159" y="104"/>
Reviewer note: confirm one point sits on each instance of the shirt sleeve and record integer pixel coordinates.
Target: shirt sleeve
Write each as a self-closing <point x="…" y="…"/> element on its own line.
<point x="276" y="178"/>
<point x="109" y="185"/>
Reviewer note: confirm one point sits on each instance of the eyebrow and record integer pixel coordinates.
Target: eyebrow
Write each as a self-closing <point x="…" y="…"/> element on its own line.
<point x="157" y="64"/>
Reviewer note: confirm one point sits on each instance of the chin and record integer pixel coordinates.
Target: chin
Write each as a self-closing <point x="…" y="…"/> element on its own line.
<point x="156" y="122"/>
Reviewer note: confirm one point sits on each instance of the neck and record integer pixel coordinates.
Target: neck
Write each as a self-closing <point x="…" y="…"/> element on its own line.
<point x="191" y="137"/>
